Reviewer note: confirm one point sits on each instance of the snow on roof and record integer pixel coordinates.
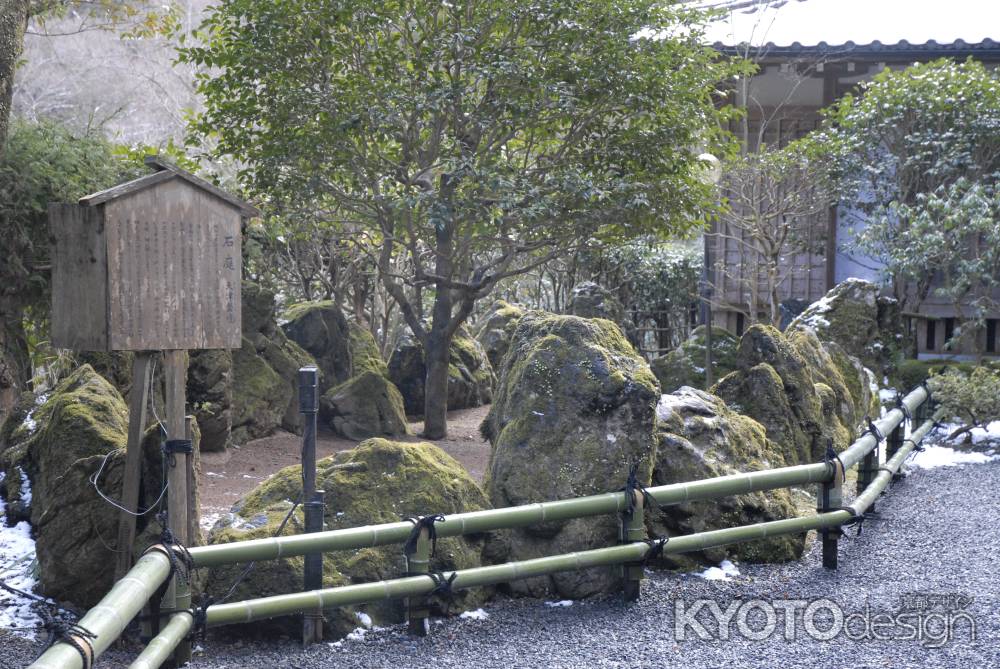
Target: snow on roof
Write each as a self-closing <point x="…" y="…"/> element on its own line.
<point x="836" y="22"/>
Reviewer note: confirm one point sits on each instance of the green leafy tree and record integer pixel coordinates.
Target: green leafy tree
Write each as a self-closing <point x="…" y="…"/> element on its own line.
<point x="973" y="398"/>
<point x="477" y="138"/>
<point x="918" y="154"/>
<point x="41" y="163"/>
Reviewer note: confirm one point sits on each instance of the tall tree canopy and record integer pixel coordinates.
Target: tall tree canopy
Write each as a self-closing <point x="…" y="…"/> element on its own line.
<point x="919" y="156"/>
<point x="466" y="141"/>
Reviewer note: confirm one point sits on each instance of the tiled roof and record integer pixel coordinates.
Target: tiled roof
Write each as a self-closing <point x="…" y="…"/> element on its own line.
<point x="892" y="27"/>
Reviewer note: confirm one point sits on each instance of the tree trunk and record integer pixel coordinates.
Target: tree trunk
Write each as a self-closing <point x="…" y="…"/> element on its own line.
<point x="436" y="385"/>
<point x="13" y="23"/>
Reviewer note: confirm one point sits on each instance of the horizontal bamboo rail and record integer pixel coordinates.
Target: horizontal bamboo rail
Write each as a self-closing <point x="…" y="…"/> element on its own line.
<point x="108" y="619"/>
<point x="161" y="647"/>
<point x="112" y="614"/>
<point x="414" y="586"/>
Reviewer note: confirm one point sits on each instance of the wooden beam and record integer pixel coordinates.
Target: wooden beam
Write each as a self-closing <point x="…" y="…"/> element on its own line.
<point x="175" y="374"/>
<point x="137" y="401"/>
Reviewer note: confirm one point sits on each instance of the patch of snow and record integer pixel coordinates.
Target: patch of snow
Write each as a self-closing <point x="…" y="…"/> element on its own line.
<point x="214" y="475"/>
<point x="538" y="413"/>
<point x="612" y="438"/>
<point x="478" y="614"/>
<point x="561" y="604"/>
<point x="208" y="521"/>
<point x="357" y="635"/>
<point x="941" y="456"/>
<point x="989" y="433"/>
<point x="663" y="410"/>
<point x="886" y="395"/>
<point x="363" y="618"/>
<point x="17" y="568"/>
<point x="725" y="571"/>
<point x="25" y="487"/>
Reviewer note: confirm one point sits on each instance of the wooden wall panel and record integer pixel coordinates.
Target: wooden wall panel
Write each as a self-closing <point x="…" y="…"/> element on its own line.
<point x="79" y="278"/>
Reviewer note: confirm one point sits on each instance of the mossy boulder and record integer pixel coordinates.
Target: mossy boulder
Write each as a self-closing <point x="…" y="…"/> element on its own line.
<point x="470" y="374"/>
<point x="210" y="396"/>
<point x="592" y="300"/>
<point x="368" y="405"/>
<point x="685" y="365"/>
<point x="358" y="399"/>
<point x="774" y="385"/>
<point x="496" y="328"/>
<point x="342" y="348"/>
<point x="378" y="481"/>
<point x="700" y="437"/>
<point x="265" y="368"/>
<point x="574" y="409"/>
<point x="854" y="315"/>
<point x="57" y="446"/>
<point x="260" y="396"/>
<point x="804" y="392"/>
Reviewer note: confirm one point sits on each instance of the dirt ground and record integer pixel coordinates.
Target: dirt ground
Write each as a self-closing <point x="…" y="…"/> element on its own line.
<point x="227" y="476"/>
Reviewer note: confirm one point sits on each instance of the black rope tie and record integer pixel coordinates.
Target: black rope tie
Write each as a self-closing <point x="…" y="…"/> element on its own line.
<point x="74" y="634"/>
<point x="655" y="551"/>
<point x="171" y="447"/>
<point x="907" y="416"/>
<point x="632" y="486"/>
<point x="199" y="628"/>
<point x="443" y="588"/>
<point x="420" y="523"/>
<point x="875" y="432"/>
<point x="830" y="457"/>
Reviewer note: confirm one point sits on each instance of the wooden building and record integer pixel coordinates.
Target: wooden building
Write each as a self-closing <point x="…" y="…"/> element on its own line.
<point x="809" y="54"/>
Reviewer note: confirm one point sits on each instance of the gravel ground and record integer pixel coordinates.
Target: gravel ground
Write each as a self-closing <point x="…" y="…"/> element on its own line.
<point x="936" y="533"/>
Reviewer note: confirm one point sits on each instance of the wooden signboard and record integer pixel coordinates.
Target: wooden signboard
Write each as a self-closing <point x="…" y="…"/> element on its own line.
<point x="153" y="264"/>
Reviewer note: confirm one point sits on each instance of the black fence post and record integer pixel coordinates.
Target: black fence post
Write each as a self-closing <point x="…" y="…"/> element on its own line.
<point x="312" y="499"/>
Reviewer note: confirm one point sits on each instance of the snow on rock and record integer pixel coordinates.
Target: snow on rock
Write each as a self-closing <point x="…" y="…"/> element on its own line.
<point x="562" y="603"/>
<point x="17" y="569"/>
<point x="363" y="618"/>
<point x="478" y="614"/>
<point x="725" y="571"/>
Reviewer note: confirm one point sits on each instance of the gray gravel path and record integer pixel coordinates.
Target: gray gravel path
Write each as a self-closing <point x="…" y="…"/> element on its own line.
<point x="937" y="533"/>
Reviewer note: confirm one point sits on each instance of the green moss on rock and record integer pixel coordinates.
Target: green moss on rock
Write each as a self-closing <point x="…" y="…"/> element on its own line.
<point x="365" y="406"/>
<point x="573" y="411"/>
<point x="260" y="396"/>
<point x="700" y="437"/>
<point x="496" y="329"/>
<point x="379" y="481"/>
<point x="69" y="435"/>
<point x="470" y="375"/>
<point x="685" y="365"/>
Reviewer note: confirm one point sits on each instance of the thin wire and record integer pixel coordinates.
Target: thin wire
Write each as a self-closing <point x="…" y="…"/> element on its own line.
<point x="96" y="476"/>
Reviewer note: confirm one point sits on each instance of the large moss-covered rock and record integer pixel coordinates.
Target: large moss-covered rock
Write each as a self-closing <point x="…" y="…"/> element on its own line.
<point x="470" y="375"/>
<point x="854" y="315"/>
<point x="260" y="396"/>
<point x="805" y="393"/>
<point x="210" y="396"/>
<point x="685" y="365"/>
<point x="592" y="300"/>
<point x="379" y="481"/>
<point x="368" y="405"/>
<point x="359" y="400"/>
<point x="496" y="329"/>
<point x="774" y="385"/>
<point x="700" y="437"/>
<point x="57" y="446"/>
<point x="574" y="409"/>
<point x="265" y="390"/>
<point x="342" y="348"/>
